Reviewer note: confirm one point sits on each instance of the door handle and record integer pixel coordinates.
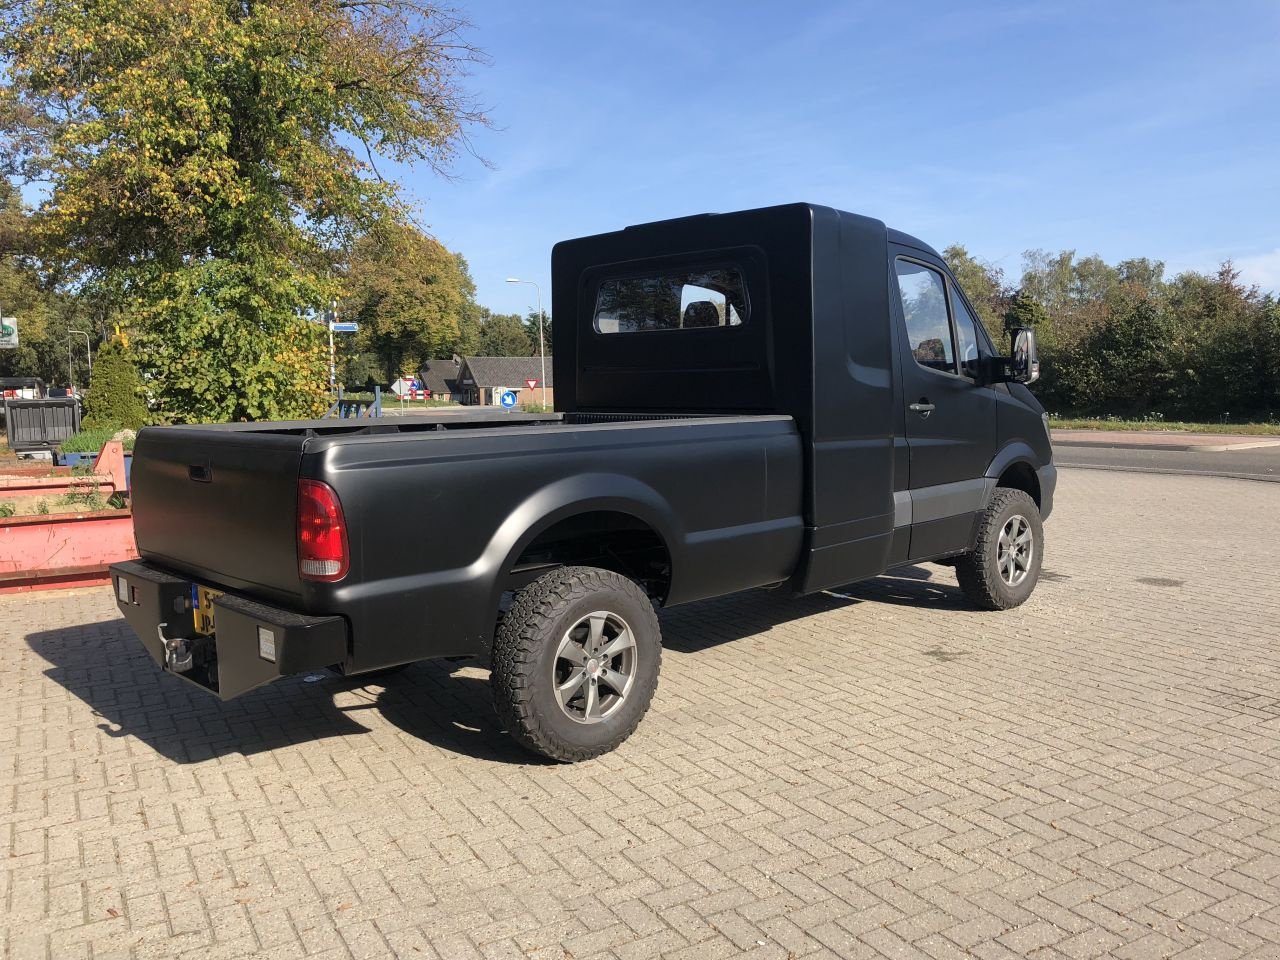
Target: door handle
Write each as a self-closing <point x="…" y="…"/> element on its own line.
<point x="924" y="408"/>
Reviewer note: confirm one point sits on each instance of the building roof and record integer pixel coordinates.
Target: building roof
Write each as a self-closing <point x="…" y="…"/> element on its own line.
<point x="440" y="376"/>
<point x="504" y="371"/>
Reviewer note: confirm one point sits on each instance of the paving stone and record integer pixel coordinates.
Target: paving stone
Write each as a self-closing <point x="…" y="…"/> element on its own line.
<point x="876" y="771"/>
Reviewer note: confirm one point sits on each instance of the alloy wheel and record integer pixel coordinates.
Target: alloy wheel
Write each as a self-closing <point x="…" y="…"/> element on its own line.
<point x="594" y="667"/>
<point x="1015" y="549"/>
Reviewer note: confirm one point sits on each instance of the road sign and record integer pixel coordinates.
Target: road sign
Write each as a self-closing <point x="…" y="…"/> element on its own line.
<point x="345" y="327"/>
<point x="402" y="386"/>
<point x="508" y="399"/>
<point x="8" y="333"/>
<point x="531" y="382"/>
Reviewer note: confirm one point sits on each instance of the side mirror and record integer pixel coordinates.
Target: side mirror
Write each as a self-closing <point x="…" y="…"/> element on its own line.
<point x="1024" y="364"/>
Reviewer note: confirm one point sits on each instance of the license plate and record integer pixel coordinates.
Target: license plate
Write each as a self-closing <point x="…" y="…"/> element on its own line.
<point x="202" y="607"/>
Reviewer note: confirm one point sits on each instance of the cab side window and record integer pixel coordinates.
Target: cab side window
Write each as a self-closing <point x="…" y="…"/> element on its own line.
<point x="967" y="342"/>
<point x="924" y="306"/>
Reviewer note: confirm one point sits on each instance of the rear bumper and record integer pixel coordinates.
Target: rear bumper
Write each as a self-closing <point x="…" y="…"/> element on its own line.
<point x="254" y="643"/>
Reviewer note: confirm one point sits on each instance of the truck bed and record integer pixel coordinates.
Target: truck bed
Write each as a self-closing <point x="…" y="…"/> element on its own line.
<point x="436" y="506"/>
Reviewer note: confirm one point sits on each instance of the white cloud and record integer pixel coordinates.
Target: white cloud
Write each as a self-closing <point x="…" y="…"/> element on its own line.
<point x="1262" y="269"/>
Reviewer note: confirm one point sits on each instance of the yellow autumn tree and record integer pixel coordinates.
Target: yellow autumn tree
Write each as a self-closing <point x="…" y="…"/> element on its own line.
<point x="209" y="160"/>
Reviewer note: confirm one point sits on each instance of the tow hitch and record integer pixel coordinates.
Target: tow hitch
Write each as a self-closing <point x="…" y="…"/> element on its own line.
<point x="179" y="652"/>
<point x="255" y="643"/>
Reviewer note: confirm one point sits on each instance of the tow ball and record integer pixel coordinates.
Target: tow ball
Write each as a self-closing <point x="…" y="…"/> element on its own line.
<point x="177" y="651"/>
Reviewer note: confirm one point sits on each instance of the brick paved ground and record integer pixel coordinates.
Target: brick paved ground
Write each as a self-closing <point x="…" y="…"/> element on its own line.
<point x="883" y="774"/>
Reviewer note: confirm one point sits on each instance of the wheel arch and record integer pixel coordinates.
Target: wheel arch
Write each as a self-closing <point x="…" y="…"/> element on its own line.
<point x="581" y="496"/>
<point x="1015" y="467"/>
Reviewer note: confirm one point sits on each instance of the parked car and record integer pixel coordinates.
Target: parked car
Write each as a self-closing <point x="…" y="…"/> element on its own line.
<point x="793" y="397"/>
<point x="21" y="388"/>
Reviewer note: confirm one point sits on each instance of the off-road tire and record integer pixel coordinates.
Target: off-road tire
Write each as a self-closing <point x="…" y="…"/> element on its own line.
<point x="978" y="571"/>
<point x="524" y="651"/>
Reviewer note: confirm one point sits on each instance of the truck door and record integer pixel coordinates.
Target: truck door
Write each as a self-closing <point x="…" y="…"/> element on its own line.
<point x="950" y="418"/>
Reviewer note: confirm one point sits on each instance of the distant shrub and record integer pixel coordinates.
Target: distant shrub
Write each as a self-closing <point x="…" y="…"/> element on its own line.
<point x="114" y="399"/>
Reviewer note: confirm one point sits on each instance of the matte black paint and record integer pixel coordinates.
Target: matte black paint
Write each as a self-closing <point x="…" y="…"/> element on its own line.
<point x="761" y="454"/>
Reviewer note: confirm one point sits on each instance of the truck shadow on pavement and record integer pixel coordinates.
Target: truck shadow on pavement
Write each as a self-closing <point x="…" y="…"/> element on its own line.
<point x="445" y="705"/>
<point x="700" y="626"/>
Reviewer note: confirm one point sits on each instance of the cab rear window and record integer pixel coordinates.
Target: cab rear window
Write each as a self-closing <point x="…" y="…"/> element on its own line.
<point x="684" y="299"/>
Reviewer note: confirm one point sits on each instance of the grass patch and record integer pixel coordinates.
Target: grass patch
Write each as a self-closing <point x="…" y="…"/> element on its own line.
<point x="1175" y="426"/>
<point x="91" y="441"/>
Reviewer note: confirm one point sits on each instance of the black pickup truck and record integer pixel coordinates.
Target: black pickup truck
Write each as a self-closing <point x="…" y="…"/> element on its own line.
<point x="792" y="396"/>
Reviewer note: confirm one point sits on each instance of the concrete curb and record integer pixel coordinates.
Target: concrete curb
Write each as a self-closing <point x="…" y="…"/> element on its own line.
<point x="1125" y="444"/>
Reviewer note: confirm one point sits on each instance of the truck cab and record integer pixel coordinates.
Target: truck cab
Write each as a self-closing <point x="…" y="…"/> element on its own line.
<point x="909" y="415"/>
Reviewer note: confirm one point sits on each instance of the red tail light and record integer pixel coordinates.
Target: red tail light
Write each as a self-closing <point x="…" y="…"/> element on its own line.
<point x="322" y="533"/>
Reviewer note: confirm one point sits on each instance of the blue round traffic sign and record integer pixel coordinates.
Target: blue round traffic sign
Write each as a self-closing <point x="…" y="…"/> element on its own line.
<point x="508" y="399"/>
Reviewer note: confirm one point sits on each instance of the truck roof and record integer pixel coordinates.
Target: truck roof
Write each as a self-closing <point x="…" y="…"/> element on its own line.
<point x="907" y="240"/>
<point x="894" y="236"/>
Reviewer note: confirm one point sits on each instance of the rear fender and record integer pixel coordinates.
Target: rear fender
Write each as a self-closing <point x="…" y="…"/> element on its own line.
<point x="582" y="493"/>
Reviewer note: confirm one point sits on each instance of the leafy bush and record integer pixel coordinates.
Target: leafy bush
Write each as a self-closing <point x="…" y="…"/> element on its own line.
<point x="1123" y="341"/>
<point x="87" y="495"/>
<point x="114" y="398"/>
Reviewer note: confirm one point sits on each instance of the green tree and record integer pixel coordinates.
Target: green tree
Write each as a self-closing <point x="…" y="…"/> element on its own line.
<point x="1219" y="342"/>
<point x="1268" y="358"/>
<point x="982" y="283"/>
<point x="115" y="391"/>
<point x="1073" y="292"/>
<point x="531" y="325"/>
<point x="21" y="294"/>
<point x="46" y="318"/>
<point x="1123" y="365"/>
<point x="412" y="297"/>
<point x="1025" y="310"/>
<point x="468" y="329"/>
<point x="207" y="158"/>
<point x="504" y="335"/>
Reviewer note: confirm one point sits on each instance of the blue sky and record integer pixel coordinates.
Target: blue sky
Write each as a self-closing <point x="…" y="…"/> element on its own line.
<point x="1121" y="128"/>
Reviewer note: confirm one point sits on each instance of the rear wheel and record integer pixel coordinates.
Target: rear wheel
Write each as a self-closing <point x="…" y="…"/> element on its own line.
<point x="575" y="662"/>
<point x="1002" y="569"/>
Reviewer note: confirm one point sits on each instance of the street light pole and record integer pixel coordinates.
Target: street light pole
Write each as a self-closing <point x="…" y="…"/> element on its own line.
<point x="333" y="363"/>
<point x="542" y="351"/>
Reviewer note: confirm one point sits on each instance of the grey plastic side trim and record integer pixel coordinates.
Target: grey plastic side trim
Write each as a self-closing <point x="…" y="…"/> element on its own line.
<point x="950" y="499"/>
<point x="902" y="508"/>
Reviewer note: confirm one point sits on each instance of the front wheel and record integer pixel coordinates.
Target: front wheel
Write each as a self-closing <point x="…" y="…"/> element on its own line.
<point x="575" y="662"/>
<point x="1004" y="565"/>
